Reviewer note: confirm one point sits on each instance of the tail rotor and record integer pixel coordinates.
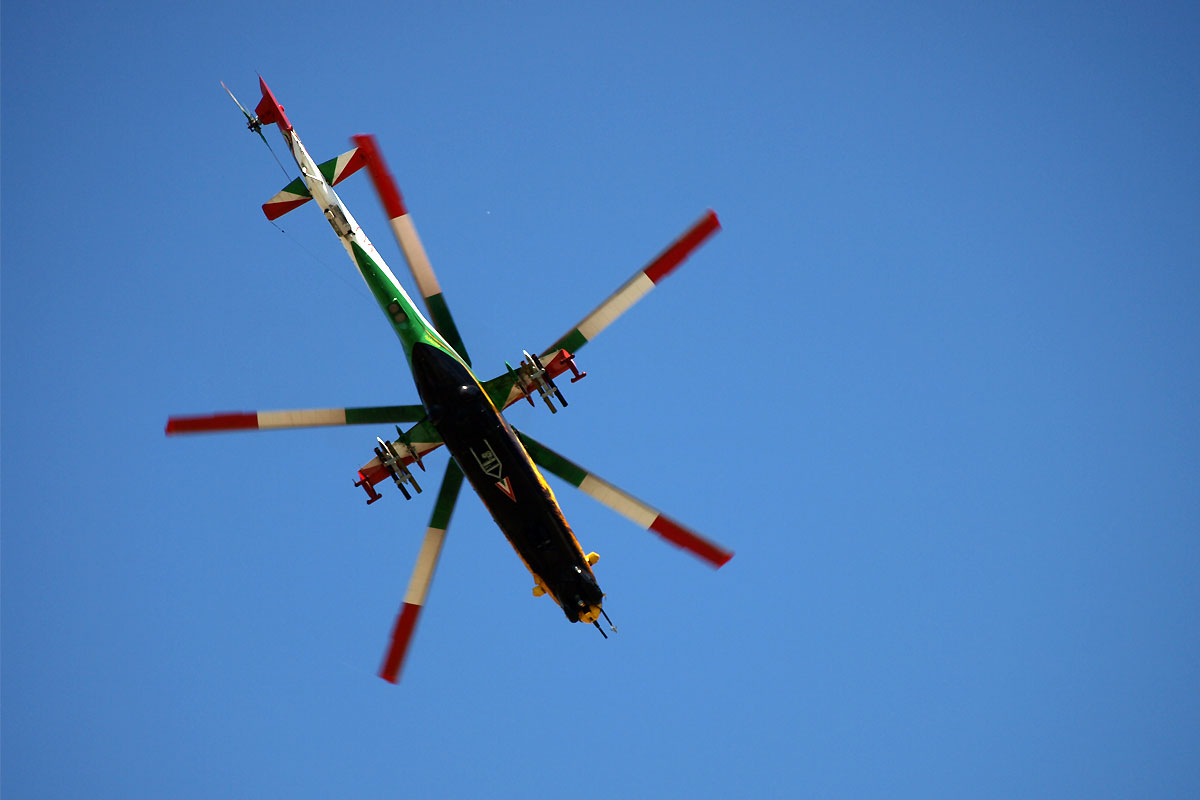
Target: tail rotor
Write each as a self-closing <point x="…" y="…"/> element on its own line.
<point x="254" y="124"/>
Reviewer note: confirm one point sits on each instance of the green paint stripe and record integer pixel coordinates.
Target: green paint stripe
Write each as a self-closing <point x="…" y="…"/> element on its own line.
<point x="413" y="327"/>
<point x="423" y="433"/>
<point x="289" y="197"/>
<point x="373" y="414"/>
<point x="499" y="388"/>
<point x="447" y="496"/>
<point x="329" y="169"/>
<point x="296" y="187"/>
<point x="444" y="323"/>
<point x="571" y="342"/>
<point x="545" y="457"/>
<point x="376" y="280"/>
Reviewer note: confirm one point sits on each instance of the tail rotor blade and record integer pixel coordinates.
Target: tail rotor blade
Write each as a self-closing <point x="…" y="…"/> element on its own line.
<point x="255" y="124"/>
<point x="250" y="118"/>
<point x="410" y="244"/>
<point x="638" y="286"/>
<point x="625" y="504"/>
<point x="252" y="122"/>
<point x="422" y="575"/>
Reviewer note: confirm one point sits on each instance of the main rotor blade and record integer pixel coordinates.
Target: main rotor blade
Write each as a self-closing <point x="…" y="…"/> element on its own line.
<point x="637" y="287"/>
<point x="309" y="418"/>
<point x="625" y="504"/>
<point x="410" y="244"/>
<point x="422" y="575"/>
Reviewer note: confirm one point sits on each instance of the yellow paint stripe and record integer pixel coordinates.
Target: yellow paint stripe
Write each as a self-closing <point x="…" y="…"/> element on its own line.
<point x="561" y="518"/>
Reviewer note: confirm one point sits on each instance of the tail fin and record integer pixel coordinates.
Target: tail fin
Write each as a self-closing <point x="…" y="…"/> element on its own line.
<point x="296" y="194"/>
<point x="268" y="109"/>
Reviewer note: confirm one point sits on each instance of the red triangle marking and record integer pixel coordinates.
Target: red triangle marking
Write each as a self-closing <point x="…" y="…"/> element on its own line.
<point x="506" y="487"/>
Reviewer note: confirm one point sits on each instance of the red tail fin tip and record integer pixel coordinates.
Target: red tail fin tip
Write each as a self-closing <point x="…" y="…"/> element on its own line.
<point x="269" y="111"/>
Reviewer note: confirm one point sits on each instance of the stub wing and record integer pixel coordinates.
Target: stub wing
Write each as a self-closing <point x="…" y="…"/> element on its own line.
<point x="410" y="447"/>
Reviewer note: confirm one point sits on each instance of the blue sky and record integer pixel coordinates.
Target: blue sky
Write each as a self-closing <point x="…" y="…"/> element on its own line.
<point x="935" y="383"/>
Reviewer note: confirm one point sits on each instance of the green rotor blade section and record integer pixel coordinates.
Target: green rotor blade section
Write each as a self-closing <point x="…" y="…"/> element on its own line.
<point x="422" y="575"/>
<point x="645" y="516"/>
<point x="637" y="286"/>
<point x="384" y="414"/>
<point x="374" y="414"/>
<point x="444" y="322"/>
<point x="447" y="496"/>
<point x="558" y="465"/>
<point x="571" y="343"/>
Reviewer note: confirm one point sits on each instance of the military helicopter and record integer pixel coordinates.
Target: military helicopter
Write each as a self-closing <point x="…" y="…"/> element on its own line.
<point x="458" y="410"/>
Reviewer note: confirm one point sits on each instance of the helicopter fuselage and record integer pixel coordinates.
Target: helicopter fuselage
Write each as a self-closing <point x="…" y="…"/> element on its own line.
<point x="506" y="480"/>
<point x="482" y="443"/>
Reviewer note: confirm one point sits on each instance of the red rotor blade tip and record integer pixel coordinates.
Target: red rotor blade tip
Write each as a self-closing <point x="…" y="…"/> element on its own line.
<point x="682" y="247"/>
<point x="237" y="421"/>
<point x="406" y="621"/>
<point x="680" y="536"/>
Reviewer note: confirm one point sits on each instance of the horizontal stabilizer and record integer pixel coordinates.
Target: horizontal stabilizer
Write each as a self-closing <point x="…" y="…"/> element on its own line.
<point x="416" y="441"/>
<point x="410" y="244"/>
<point x="296" y="193"/>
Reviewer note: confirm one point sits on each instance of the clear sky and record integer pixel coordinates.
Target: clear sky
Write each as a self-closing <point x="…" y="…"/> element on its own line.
<point x="936" y="383"/>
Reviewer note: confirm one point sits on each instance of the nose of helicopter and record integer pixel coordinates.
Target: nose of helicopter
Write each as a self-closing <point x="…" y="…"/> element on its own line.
<point x="589" y="599"/>
<point x="590" y="614"/>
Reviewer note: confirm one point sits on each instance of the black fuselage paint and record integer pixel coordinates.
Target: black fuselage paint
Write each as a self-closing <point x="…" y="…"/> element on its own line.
<point x="504" y="477"/>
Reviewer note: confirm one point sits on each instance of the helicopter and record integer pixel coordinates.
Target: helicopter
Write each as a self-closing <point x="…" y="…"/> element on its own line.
<point x="457" y="410"/>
